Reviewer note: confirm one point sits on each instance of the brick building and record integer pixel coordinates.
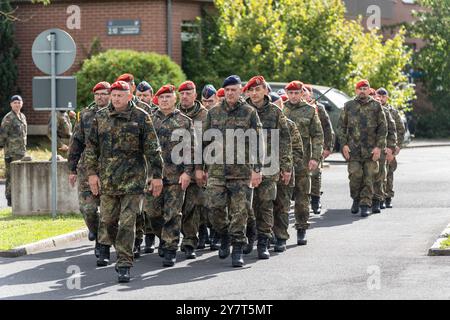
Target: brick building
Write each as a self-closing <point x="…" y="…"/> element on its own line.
<point x="160" y="31"/>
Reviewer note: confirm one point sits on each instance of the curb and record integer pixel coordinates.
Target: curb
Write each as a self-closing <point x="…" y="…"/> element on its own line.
<point x="50" y="243"/>
<point x="428" y="146"/>
<point x="435" y="249"/>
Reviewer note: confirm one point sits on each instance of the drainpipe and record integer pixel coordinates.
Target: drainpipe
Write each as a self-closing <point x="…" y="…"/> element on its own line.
<point x="169" y="28"/>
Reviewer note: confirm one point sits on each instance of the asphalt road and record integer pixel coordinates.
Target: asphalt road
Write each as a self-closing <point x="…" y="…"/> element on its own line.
<point x="383" y="256"/>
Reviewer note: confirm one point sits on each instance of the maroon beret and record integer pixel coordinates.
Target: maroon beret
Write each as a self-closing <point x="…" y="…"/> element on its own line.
<point x="101" y="86"/>
<point x="120" y="85"/>
<point x="187" y="85"/>
<point x="127" y="77"/>
<point x="294" y="85"/>
<point x="255" y="81"/>
<point x="362" y="83"/>
<point x="221" y="93"/>
<point x="168" y="88"/>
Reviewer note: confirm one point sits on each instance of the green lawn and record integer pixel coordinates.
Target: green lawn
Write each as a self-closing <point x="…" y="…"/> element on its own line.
<point x="16" y="231"/>
<point x="446" y="244"/>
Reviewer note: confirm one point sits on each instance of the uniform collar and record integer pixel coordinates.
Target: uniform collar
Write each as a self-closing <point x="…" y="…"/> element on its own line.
<point x="123" y="114"/>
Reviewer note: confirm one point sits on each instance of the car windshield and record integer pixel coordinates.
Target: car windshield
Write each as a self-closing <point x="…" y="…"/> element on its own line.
<point x="339" y="98"/>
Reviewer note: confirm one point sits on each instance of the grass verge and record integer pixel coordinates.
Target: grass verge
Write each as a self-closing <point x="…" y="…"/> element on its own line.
<point x="446" y="243"/>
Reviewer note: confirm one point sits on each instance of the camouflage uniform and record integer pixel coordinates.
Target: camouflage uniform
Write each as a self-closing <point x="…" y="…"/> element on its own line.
<point x="272" y="118"/>
<point x="13" y="137"/>
<point x="228" y="184"/>
<point x="308" y="123"/>
<point x="282" y="203"/>
<point x="362" y="127"/>
<point x="328" y="144"/>
<point x="76" y="160"/>
<point x="379" y="186"/>
<point x="194" y="203"/>
<point x="63" y="131"/>
<point x="120" y="148"/>
<point x="164" y="212"/>
<point x="400" y="129"/>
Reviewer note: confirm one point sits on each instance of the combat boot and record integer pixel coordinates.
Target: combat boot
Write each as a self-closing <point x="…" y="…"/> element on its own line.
<point x="149" y="243"/>
<point x="202" y="236"/>
<point x="355" y="206"/>
<point x="237" y="259"/>
<point x="316" y="206"/>
<point x="251" y="236"/>
<point x="104" y="256"/>
<point x="124" y="274"/>
<point x="170" y="257"/>
<point x="97" y="249"/>
<point x="215" y="239"/>
<point x="224" y="250"/>
<point x="189" y="252"/>
<point x="301" y="237"/>
<point x="389" y="203"/>
<point x="376" y="206"/>
<point x="137" y="248"/>
<point x="161" y="248"/>
<point x="92" y="236"/>
<point x="261" y="247"/>
<point x="280" y="246"/>
<point x="382" y="205"/>
<point x="364" y="211"/>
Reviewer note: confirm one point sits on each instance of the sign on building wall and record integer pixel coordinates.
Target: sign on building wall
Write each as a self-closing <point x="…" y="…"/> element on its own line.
<point x="123" y="27"/>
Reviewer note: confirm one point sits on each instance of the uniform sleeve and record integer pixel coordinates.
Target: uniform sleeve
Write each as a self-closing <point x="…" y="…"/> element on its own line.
<point x="400" y="127"/>
<point x="152" y="149"/>
<point x="189" y="167"/>
<point x="297" y="147"/>
<point x="342" y="128"/>
<point x="391" y="140"/>
<point x="285" y="144"/>
<point x="316" y="134"/>
<point x="381" y="129"/>
<point x="92" y="151"/>
<point x="328" y="133"/>
<point x="206" y="125"/>
<point x="76" y="146"/>
<point x="4" y="131"/>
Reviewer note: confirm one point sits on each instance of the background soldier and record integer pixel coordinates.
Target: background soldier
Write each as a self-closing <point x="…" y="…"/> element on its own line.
<point x="308" y="123"/>
<point x="144" y="92"/>
<point x="164" y="211"/>
<point x="88" y="202"/>
<point x="328" y="145"/>
<point x="220" y="95"/>
<point x="228" y="184"/>
<point x="122" y="144"/>
<point x="362" y="134"/>
<point x="209" y="96"/>
<point x="400" y="130"/>
<point x="13" y="137"/>
<point x="63" y="132"/>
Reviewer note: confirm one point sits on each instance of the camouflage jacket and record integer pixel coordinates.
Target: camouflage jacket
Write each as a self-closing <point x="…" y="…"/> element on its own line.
<point x="327" y="127"/>
<point x="13" y="134"/>
<point x="399" y="125"/>
<point x="272" y="118"/>
<point x="308" y="123"/>
<point x="223" y="118"/>
<point x="362" y="126"/>
<point x="391" y="138"/>
<point x="297" y="146"/>
<point x="165" y="127"/>
<point x="63" y="128"/>
<point x="120" y="147"/>
<point x="149" y="108"/>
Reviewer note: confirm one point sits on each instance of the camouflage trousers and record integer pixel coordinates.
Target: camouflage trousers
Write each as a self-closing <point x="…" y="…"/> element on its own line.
<point x="89" y="208"/>
<point x="193" y="210"/>
<point x="8" y="174"/>
<point x="390" y="178"/>
<point x="361" y="175"/>
<point x="379" y="183"/>
<point x="302" y="190"/>
<point x="163" y="214"/>
<point x="263" y="197"/>
<point x="316" y="180"/>
<point x="117" y="225"/>
<point x="232" y="195"/>
<point x="140" y="221"/>
<point x="281" y="208"/>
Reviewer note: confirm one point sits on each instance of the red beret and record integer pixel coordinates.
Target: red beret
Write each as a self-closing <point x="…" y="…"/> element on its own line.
<point x="294" y="85"/>
<point x="187" y="85"/>
<point x="155" y="100"/>
<point x="221" y="92"/>
<point x="101" y="86"/>
<point x="127" y="77"/>
<point x="168" y="88"/>
<point x="308" y="87"/>
<point x="284" y="97"/>
<point x="362" y="83"/>
<point x="120" y="85"/>
<point x="255" y="81"/>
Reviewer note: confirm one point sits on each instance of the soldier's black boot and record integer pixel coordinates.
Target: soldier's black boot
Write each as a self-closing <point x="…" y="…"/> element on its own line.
<point x="161" y="248"/>
<point x="389" y="203"/>
<point x="237" y="259"/>
<point x="251" y="236"/>
<point x="280" y="246"/>
<point x="202" y="236"/>
<point x="215" y="239"/>
<point x="170" y="257"/>
<point x="301" y="237"/>
<point x="364" y="211"/>
<point x="104" y="256"/>
<point x="123" y="274"/>
<point x="149" y="243"/>
<point x="355" y="206"/>
<point x="224" y="250"/>
<point x="92" y="236"/>
<point x="97" y="249"/>
<point x="382" y="205"/>
<point x="189" y="252"/>
<point x="261" y="247"/>
<point x="137" y="248"/>
<point x="316" y="206"/>
<point x="376" y="206"/>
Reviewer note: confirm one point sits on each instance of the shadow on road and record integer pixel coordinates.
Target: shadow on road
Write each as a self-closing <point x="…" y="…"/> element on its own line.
<point x="334" y="217"/>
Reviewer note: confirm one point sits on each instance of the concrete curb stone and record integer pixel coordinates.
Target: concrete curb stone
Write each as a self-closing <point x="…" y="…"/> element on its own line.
<point x="435" y="249"/>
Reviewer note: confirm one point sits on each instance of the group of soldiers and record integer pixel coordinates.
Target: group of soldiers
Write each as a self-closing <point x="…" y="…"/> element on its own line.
<point x="131" y="188"/>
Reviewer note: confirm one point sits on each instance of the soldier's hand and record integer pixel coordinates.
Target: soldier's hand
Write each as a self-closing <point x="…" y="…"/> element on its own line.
<point x="346" y="152"/>
<point x="184" y="180"/>
<point x="389" y="155"/>
<point x="286" y="177"/>
<point x="326" y="153"/>
<point x="376" y="154"/>
<point x="64" y="148"/>
<point x="200" y="177"/>
<point x="156" y="186"/>
<point x="72" y="179"/>
<point x="397" y="150"/>
<point x="256" y="179"/>
<point x="94" y="184"/>
<point x="312" y="165"/>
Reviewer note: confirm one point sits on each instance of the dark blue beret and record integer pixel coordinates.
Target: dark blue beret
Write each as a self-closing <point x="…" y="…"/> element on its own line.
<point x="274" y="96"/>
<point x="16" y="98"/>
<point x="144" y="86"/>
<point x="208" y="91"/>
<point x="382" y="92"/>
<point x="231" y="80"/>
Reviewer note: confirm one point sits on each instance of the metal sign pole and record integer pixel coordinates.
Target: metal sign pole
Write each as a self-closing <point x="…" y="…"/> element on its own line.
<point x="52" y="40"/>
